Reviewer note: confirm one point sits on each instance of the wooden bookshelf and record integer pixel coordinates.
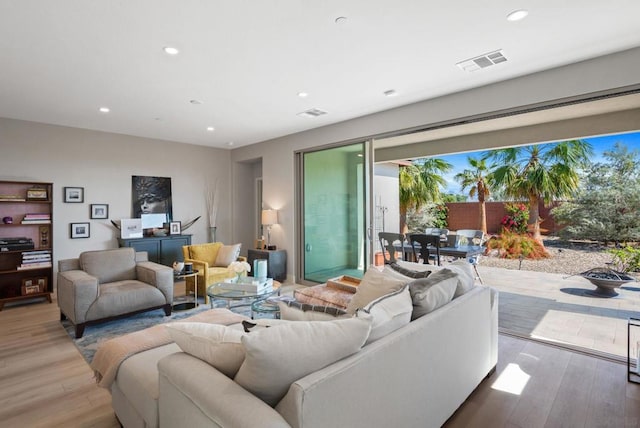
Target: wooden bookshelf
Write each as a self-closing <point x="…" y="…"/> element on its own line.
<point x="26" y="241"/>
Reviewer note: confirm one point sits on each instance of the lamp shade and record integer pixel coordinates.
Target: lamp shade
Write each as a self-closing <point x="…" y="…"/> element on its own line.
<point x="269" y="217"/>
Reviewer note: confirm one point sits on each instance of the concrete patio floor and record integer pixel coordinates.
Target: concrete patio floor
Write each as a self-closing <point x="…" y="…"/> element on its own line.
<point x="563" y="310"/>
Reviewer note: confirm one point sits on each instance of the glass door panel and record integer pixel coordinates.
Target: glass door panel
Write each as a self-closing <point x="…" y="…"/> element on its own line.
<point x="334" y="213"/>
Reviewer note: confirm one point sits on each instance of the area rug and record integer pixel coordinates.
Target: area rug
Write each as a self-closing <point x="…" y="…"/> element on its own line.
<point x="95" y="334"/>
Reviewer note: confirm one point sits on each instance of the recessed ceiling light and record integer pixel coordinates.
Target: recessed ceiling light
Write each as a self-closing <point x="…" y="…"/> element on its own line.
<point x="341" y="20"/>
<point x="390" y="93"/>
<point x="195" y="102"/>
<point x="104" y="109"/>
<point x="230" y="143"/>
<point x="170" y="50"/>
<point x="517" y="15"/>
<point x="303" y="94"/>
<point x="210" y="128"/>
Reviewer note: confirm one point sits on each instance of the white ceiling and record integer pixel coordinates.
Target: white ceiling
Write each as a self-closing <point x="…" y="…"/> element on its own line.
<point x="247" y="60"/>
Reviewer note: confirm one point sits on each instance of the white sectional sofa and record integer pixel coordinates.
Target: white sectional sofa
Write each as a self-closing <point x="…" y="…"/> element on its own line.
<point x="416" y="376"/>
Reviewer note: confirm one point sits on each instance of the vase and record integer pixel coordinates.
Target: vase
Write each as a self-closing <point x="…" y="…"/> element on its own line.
<point x="238" y="277"/>
<point x="212" y="234"/>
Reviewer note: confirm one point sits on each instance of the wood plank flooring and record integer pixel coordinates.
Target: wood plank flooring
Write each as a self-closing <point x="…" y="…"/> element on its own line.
<point x="45" y="382"/>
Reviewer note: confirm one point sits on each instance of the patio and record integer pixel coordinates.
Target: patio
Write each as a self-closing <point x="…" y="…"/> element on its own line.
<point x="560" y="309"/>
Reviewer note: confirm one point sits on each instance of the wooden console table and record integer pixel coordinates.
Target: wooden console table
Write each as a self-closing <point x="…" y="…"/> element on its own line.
<point x="161" y="249"/>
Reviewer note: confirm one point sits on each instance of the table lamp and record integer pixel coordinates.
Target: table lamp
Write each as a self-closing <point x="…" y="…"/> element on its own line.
<point x="269" y="218"/>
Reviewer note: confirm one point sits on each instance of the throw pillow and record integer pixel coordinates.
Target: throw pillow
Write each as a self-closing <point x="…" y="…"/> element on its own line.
<point x="374" y="284"/>
<point x="227" y="254"/>
<point x="297" y="311"/>
<point x="215" y="344"/>
<point x="466" y="277"/>
<point x="409" y="272"/>
<point x="389" y="313"/>
<point x="428" y="294"/>
<point x="278" y="356"/>
<point x="261" y="323"/>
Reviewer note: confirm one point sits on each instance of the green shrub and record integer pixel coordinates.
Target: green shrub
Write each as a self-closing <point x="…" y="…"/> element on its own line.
<point x="626" y="259"/>
<point x="514" y="245"/>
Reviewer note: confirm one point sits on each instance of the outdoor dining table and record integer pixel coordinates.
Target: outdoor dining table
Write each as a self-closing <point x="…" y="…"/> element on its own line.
<point x="460" y="252"/>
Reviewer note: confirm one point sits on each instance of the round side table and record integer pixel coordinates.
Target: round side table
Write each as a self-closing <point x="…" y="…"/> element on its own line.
<point x="183" y="306"/>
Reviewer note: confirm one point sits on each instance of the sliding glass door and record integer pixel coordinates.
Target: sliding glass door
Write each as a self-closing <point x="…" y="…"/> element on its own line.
<point x="334" y="212"/>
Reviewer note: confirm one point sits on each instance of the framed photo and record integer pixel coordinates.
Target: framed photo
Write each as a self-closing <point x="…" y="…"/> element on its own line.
<point x="99" y="211"/>
<point x="175" y="228"/>
<point x="74" y="194"/>
<point x="131" y="228"/>
<point x="79" y="230"/>
<point x="37" y="194"/>
<point x="34" y="285"/>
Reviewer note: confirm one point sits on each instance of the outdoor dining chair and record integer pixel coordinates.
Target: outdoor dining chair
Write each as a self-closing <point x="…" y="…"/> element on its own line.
<point x="388" y="244"/>
<point x="429" y="247"/>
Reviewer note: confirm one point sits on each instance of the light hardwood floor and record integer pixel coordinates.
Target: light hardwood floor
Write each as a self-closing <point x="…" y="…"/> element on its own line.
<point x="45" y="382"/>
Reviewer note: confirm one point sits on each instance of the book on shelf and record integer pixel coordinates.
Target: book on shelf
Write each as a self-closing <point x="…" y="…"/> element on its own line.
<point x="26" y="256"/>
<point x="39" y="265"/>
<point x="33" y="216"/>
<point x="34" y="252"/>
<point x="12" y="198"/>
<point x="40" y="258"/>
<point x="35" y="222"/>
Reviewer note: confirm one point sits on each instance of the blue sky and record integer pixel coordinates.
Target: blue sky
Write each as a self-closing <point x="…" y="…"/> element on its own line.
<point x="599" y="144"/>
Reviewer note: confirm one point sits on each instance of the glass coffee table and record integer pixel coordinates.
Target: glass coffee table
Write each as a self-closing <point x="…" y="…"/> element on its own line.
<point x="219" y="292"/>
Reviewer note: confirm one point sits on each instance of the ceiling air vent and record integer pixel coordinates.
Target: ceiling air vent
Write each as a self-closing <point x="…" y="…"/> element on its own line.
<point x="482" y="61"/>
<point x="314" y="112"/>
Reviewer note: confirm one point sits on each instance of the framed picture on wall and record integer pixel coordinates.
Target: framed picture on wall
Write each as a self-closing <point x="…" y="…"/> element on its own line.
<point x="74" y="194"/>
<point x="79" y="230"/>
<point x="99" y="211"/>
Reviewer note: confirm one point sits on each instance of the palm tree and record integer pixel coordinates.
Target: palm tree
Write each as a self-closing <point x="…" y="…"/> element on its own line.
<point x="542" y="172"/>
<point x="478" y="180"/>
<point x="420" y="182"/>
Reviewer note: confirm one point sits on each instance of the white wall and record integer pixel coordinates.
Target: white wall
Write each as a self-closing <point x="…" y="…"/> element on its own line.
<point x="387" y="194"/>
<point x="103" y="164"/>
<point x="611" y="71"/>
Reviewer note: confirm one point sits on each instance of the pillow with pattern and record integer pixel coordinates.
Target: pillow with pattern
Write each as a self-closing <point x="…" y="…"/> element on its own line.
<point x="408" y="272"/>
<point x="297" y="311"/>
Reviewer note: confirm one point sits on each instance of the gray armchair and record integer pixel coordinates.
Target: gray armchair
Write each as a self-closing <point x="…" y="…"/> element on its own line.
<point x="103" y="285"/>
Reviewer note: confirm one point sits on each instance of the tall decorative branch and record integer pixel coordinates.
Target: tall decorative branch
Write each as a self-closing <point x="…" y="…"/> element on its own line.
<point x="212" y="200"/>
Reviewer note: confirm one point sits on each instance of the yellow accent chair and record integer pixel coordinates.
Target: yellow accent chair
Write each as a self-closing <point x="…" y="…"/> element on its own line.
<point x="212" y="262"/>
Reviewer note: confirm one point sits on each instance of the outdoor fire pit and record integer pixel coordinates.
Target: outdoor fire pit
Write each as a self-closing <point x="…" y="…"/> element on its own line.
<point x="606" y="280"/>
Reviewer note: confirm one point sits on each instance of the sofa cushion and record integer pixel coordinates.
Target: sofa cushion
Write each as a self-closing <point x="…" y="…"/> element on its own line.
<point x="278" y="356"/>
<point x="227" y="254"/>
<point x="251" y="326"/>
<point x="374" y="284"/>
<point x="121" y="297"/>
<point x="110" y="265"/>
<point x="466" y="277"/>
<point x="428" y="294"/>
<point x="409" y="272"/>
<point x="214" y="344"/>
<point x="389" y="313"/>
<point x="205" y="252"/>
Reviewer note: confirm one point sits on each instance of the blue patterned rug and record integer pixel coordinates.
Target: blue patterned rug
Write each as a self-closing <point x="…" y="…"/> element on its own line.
<point x="95" y="334"/>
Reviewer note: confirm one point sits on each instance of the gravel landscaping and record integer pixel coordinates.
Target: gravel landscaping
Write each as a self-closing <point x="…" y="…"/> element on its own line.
<point x="566" y="258"/>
